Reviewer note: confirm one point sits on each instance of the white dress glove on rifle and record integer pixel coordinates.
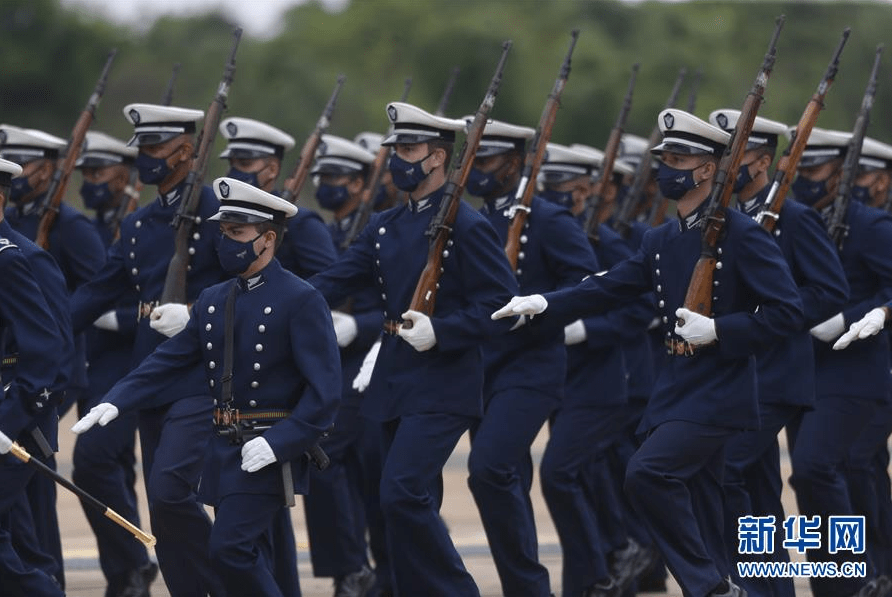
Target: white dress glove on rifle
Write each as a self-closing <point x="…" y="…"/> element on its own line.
<point x="575" y="333"/>
<point x="169" y="319"/>
<point x="256" y="454"/>
<point x="103" y="413"/>
<point x="5" y="443"/>
<point x="697" y="329"/>
<point x="869" y="325"/>
<point x="421" y="334"/>
<point x="522" y="305"/>
<point x="829" y="330"/>
<point x="362" y="379"/>
<point x="108" y="321"/>
<point x="345" y="328"/>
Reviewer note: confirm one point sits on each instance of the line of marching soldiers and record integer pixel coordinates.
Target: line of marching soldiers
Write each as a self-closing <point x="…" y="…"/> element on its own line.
<point x="663" y="423"/>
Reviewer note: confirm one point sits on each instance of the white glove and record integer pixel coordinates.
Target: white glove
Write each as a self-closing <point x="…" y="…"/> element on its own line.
<point x="830" y="329"/>
<point x="108" y="321"/>
<point x="345" y="328"/>
<point x="522" y="305"/>
<point x="575" y="333"/>
<point x="697" y="329"/>
<point x="362" y="379"/>
<point x="169" y="319"/>
<point x="5" y="443"/>
<point x="421" y="334"/>
<point x="868" y="325"/>
<point x="103" y="413"/>
<point x="256" y="454"/>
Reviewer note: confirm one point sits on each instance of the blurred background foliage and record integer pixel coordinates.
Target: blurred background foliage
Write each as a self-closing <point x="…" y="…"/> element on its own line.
<point x="52" y="55"/>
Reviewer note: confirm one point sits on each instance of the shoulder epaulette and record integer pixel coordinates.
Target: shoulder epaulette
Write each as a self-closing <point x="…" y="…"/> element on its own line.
<point x="5" y="243"/>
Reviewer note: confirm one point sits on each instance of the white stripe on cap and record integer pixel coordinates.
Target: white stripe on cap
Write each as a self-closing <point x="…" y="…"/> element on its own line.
<point x="23" y="151"/>
<point x="103" y="155"/>
<point x="688" y="142"/>
<point x="244" y="210"/>
<point x="262" y="147"/>
<point x="150" y="128"/>
<point x="871" y="162"/>
<point x="492" y="143"/>
<point x="339" y="161"/>
<point x="407" y="131"/>
<point x="814" y="153"/>
<point x="568" y="168"/>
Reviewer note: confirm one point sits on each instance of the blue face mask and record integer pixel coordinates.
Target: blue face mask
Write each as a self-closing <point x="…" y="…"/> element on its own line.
<point x="95" y="196"/>
<point x="558" y="197"/>
<point x="860" y="194"/>
<point x="407" y="175"/>
<point x="743" y="178"/>
<point x="236" y="257"/>
<point x="482" y="184"/>
<point x="242" y="176"/>
<point x="151" y="170"/>
<point x="332" y="197"/>
<point x="674" y="183"/>
<point x="19" y="188"/>
<point x="807" y="191"/>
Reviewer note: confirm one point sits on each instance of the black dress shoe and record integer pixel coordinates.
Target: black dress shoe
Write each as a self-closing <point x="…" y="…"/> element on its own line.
<point x="728" y="589"/>
<point x="627" y="563"/>
<point x="607" y="588"/>
<point x="355" y="584"/>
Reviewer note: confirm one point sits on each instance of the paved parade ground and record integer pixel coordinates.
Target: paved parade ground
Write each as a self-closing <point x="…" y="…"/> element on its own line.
<point x="84" y="578"/>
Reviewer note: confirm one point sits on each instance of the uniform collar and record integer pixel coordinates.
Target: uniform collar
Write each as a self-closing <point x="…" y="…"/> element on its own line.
<point x="31" y="207"/>
<point x="752" y="206"/>
<point x="420" y="205"/>
<point x="498" y="203"/>
<point x="694" y="219"/>
<point x="260" y="278"/>
<point x="346" y="222"/>
<point x="172" y="196"/>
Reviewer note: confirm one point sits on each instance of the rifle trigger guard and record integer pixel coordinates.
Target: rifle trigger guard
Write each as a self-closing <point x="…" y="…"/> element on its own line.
<point x="765" y="213"/>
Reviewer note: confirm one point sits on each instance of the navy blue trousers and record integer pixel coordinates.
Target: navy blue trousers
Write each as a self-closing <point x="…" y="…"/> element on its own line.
<point x="174" y="440"/>
<point x="104" y="462"/>
<point x="500" y="476"/>
<point x="821" y="441"/>
<point x="18" y="576"/>
<point x="868" y="481"/>
<point x="578" y="435"/>
<point x="239" y="544"/>
<point x="423" y="558"/>
<point x="674" y="482"/>
<point x="335" y="509"/>
<point x="753" y="487"/>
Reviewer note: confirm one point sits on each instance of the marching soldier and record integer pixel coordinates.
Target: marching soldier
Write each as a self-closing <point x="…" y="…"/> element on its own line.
<point x="524" y="372"/>
<point x="427" y="383"/>
<point x="706" y="392"/>
<point x="255" y="151"/>
<point x="852" y="385"/>
<point x="172" y="436"/>
<point x="871" y="185"/>
<point x="335" y="509"/>
<point x="79" y="252"/>
<point x="595" y="409"/>
<point x="104" y="460"/>
<point x="266" y="346"/>
<point x="37" y="351"/>
<point x="753" y="480"/>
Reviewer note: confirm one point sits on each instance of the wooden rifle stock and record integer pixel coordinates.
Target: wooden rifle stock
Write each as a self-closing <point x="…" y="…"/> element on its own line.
<point x="596" y="202"/>
<point x="635" y="197"/>
<point x="373" y="182"/>
<point x="789" y="160"/>
<point x="700" y="289"/>
<point x="425" y="296"/>
<point x="132" y="191"/>
<point x="295" y="182"/>
<point x="59" y="182"/>
<point x="185" y="219"/>
<point x="520" y="209"/>
<point x="447" y="93"/>
<point x="836" y="227"/>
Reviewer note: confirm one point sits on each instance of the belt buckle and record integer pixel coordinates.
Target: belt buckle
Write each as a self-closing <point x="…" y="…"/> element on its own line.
<point x="392" y="327"/>
<point x="145" y="309"/>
